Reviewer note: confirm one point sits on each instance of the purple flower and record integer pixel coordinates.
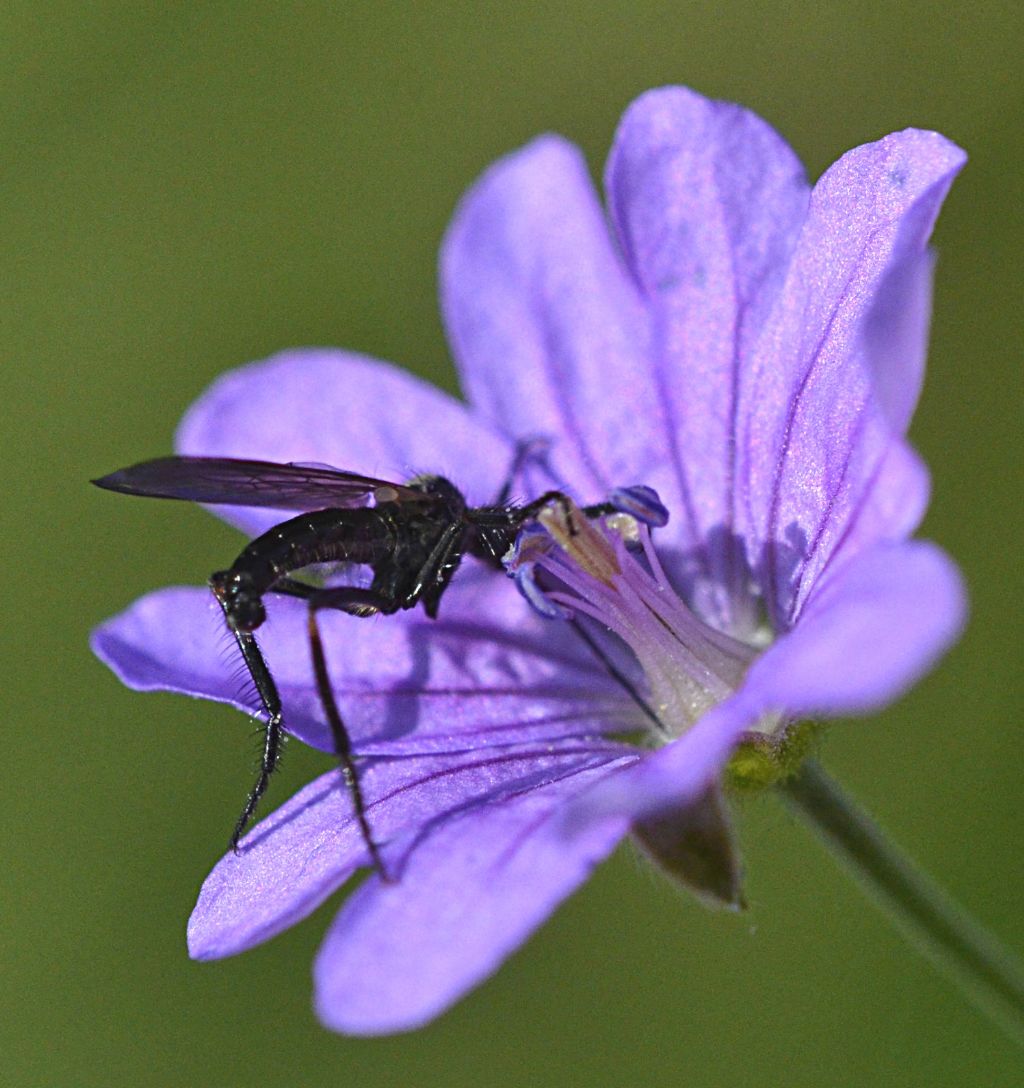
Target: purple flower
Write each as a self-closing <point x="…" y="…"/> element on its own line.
<point x="750" y="347"/>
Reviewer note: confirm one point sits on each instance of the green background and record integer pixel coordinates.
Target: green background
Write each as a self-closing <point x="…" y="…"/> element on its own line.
<point x="190" y="186"/>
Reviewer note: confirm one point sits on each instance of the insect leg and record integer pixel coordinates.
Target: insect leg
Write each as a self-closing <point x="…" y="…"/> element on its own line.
<point x="355" y="601"/>
<point x="600" y="510"/>
<point x="273" y="727"/>
<point x="435" y="574"/>
<point x="595" y="510"/>
<point x="525" y="449"/>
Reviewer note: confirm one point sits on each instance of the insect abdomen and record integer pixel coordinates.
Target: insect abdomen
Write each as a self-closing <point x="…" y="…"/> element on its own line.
<point x="321" y="536"/>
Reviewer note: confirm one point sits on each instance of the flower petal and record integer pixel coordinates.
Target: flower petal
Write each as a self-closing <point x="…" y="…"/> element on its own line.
<point x="891" y="508"/>
<point x="896" y="337"/>
<point x="708" y="201"/>
<point x="170" y="640"/>
<point x="804" y="467"/>
<point x="868" y="633"/>
<point x="345" y="410"/>
<point x="671" y="778"/>
<point x="175" y="640"/>
<point x="889" y="613"/>
<point x="469" y="893"/>
<point x="293" y="860"/>
<point x="549" y="334"/>
<point x="488" y="671"/>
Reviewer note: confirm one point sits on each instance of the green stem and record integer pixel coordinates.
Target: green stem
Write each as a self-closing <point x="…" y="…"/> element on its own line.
<point x="987" y="973"/>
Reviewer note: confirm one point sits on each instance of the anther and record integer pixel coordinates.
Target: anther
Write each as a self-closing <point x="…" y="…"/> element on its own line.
<point x="641" y="502"/>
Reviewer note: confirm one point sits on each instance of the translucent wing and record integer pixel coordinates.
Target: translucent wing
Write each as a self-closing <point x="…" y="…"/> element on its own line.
<point x="230" y="482"/>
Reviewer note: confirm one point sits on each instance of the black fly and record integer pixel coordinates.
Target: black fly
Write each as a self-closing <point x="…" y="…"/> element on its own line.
<point x="412" y="538"/>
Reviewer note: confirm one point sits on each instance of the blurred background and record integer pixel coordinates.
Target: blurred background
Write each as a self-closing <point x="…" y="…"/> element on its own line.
<point x="190" y="186"/>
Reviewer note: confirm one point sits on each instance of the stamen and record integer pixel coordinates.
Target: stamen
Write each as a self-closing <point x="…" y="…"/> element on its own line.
<point x="640" y="502"/>
<point x="652" y="560"/>
<point x="544" y="603"/>
<point x="688" y="665"/>
<point x="581" y="540"/>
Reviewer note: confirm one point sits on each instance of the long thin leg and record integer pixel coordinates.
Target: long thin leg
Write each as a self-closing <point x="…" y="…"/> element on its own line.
<point x="525" y="449"/>
<point x="532" y="509"/>
<point x="355" y="601"/>
<point x="359" y="601"/>
<point x="273" y="727"/>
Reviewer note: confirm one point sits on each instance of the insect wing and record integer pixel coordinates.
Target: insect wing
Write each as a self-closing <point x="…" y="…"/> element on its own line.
<point x="228" y="481"/>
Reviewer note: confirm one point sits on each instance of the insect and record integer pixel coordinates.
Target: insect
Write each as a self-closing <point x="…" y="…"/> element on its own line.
<point x="412" y="536"/>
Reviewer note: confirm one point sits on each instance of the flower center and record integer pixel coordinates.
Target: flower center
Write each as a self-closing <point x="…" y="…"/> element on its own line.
<point x="609" y="571"/>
